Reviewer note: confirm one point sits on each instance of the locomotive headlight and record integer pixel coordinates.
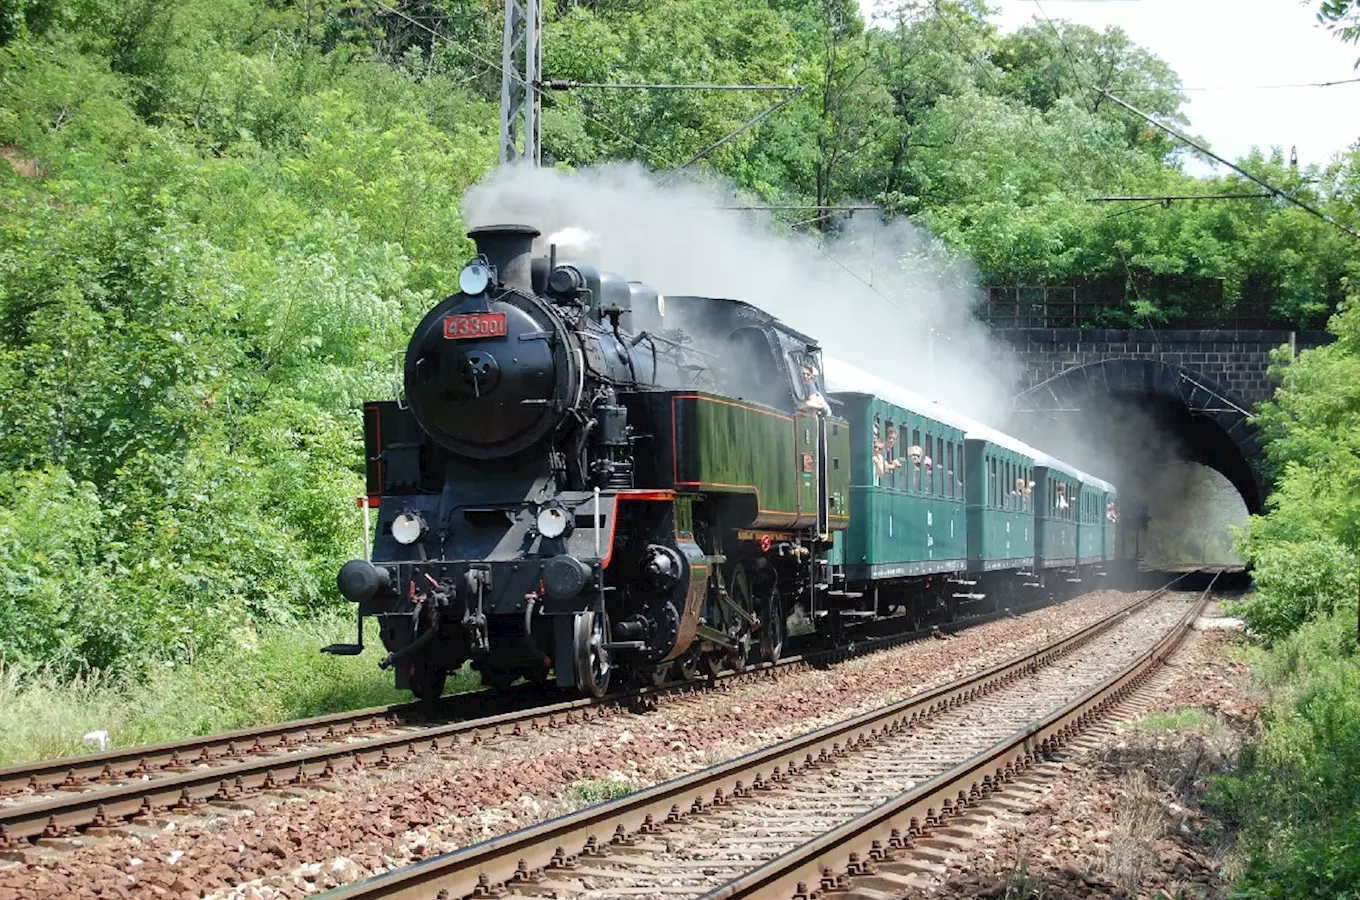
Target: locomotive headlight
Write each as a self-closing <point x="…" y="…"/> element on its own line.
<point x="407" y="528"/>
<point x="552" y="521"/>
<point x="474" y="278"/>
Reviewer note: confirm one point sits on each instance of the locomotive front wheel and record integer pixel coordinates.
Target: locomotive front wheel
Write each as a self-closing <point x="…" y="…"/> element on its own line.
<point x="427" y="682"/>
<point x="591" y="658"/>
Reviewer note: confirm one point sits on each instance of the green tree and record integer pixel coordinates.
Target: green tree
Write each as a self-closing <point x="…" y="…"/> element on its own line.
<point x="1047" y="61"/>
<point x="1342" y="17"/>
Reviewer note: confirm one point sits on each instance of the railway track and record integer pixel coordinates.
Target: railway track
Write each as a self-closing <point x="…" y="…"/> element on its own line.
<point x="63" y="797"/>
<point x="825" y="808"/>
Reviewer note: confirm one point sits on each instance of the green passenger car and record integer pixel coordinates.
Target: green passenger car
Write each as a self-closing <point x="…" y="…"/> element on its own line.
<point x="1000" y="479"/>
<point x="1090" y="514"/>
<point x="1055" y="493"/>
<point x="906" y="487"/>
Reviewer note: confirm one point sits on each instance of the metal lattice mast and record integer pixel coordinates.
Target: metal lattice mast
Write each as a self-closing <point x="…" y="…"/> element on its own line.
<point x="521" y="72"/>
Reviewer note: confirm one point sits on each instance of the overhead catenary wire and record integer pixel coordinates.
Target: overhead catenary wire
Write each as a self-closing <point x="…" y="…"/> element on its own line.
<point x="557" y="84"/>
<point x="1169" y="197"/>
<point x="738" y="131"/>
<point x="1252" y="87"/>
<point x="795" y="91"/>
<point x="800" y="207"/>
<point x="1166" y="201"/>
<point x="1283" y="195"/>
<point x="653" y="155"/>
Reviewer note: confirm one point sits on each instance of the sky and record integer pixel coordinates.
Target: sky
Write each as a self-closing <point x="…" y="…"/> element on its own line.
<point x="1231" y="47"/>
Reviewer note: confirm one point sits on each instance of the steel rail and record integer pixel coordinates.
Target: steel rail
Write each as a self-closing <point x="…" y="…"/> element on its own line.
<point x="521" y="855"/>
<point x="136" y="761"/>
<point x="179" y="775"/>
<point x="831" y="860"/>
<point x="76" y="771"/>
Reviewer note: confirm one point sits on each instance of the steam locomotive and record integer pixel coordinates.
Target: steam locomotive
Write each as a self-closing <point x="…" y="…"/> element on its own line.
<point x="587" y="481"/>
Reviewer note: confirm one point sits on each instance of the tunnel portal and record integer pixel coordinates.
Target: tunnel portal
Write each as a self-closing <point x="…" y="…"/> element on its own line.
<point x="1124" y="419"/>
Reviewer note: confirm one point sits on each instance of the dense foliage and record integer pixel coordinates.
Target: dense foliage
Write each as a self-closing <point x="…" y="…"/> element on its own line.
<point x="1297" y="797"/>
<point x="996" y="142"/>
<point x="221" y="218"/>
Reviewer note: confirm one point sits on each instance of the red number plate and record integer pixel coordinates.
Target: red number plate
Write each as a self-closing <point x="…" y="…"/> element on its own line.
<point x="474" y="325"/>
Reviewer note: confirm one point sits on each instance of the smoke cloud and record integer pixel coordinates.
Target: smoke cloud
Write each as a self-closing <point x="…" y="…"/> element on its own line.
<point x="1139" y="446"/>
<point x="885" y="296"/>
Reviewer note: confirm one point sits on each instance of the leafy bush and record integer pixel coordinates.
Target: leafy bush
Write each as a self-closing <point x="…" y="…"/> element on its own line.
<point x="1296" y="797"/>
<point x="1295" y="584"/>
<point x="52" y="589"/>
<point x="207" y="262"/>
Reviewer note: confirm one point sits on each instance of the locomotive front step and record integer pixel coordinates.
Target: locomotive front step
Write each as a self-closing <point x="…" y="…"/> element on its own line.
<point x="343" y="649"/>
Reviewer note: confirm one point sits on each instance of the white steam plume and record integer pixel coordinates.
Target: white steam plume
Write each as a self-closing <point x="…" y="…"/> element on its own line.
<point x="885" y="296"/>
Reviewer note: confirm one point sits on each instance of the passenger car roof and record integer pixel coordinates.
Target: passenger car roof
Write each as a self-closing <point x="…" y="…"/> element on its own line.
<point x="846" y="378"/>
<point x="843" y="377"/>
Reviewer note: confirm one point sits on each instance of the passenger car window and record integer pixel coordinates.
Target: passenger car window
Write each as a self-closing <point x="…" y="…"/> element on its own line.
<point x="927" y="466"/>
<point x="949" y="469"/>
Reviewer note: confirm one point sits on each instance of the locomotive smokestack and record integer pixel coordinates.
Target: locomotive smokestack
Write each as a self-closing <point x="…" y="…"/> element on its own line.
<point x="508" y="248"/>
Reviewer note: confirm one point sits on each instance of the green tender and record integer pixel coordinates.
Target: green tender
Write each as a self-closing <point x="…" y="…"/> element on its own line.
<point x="729" y="446"/>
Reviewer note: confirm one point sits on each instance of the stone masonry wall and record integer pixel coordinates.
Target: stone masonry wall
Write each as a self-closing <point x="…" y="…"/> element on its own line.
<point x="1236" y="360"/>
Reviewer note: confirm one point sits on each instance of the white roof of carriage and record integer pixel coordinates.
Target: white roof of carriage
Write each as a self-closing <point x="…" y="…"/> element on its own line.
<point x="844" y="377"/>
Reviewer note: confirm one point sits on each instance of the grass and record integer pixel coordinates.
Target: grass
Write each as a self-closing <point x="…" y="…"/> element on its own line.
<point x="271" y="676"/>
<point x="1184" y="719"/>
<point x="592" y="790"/>
<point x="1017" y="884"/>
<point x="1138" y="820"/>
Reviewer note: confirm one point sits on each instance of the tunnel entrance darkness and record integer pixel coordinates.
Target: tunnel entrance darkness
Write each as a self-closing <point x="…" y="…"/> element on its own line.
<point x="1129" y="420"/>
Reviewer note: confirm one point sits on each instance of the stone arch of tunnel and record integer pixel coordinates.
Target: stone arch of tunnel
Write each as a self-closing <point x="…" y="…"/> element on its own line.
<point x="1122" y="418"/>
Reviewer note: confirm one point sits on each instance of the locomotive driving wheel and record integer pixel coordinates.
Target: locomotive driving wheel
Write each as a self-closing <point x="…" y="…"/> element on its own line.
<point x="743" y="596"/>
<point x="592" y="662"/>
<point x="773" y="628"/>
<point x="688" y="666"/>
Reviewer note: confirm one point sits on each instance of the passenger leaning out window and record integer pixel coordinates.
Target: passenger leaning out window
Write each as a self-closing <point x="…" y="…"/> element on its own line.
<point x="882" y="465"/>
<point x="812" y="395"/>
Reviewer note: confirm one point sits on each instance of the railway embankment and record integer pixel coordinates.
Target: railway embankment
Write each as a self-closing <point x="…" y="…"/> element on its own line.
<point x="294" y="840"/>
<point x="1127" y="811"/>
